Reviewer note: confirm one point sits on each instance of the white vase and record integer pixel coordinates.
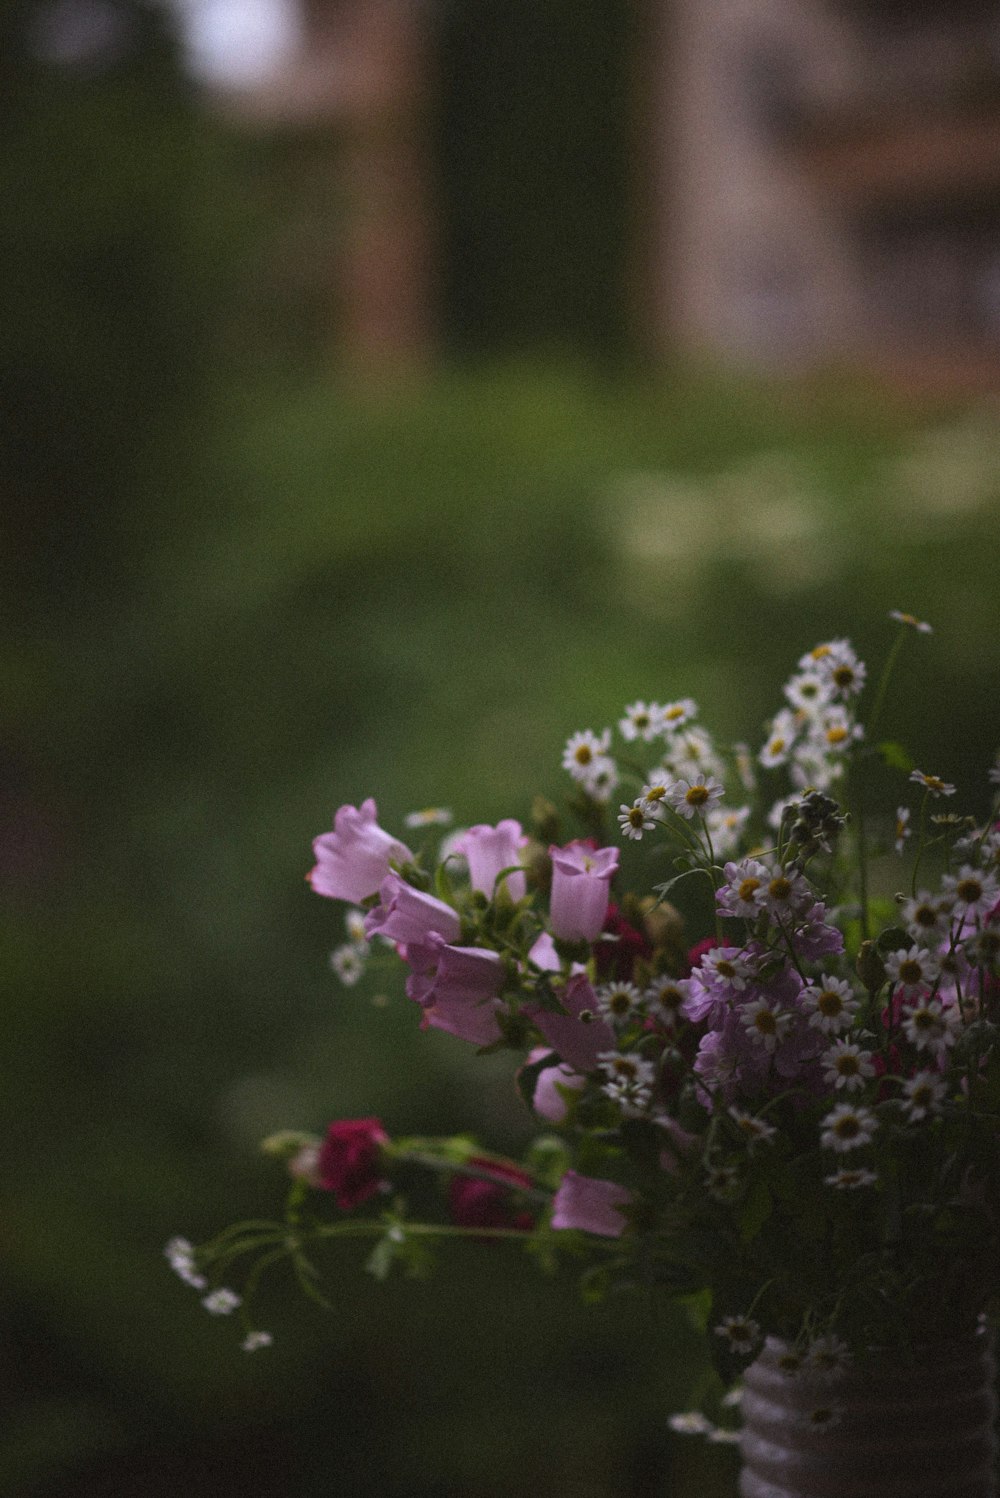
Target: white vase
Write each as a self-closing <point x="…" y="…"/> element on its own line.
<point x="923" y="1427"/>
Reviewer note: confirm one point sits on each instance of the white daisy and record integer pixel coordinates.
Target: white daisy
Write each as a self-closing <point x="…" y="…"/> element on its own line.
<point x="690" y="796"/>
<point x="851" y="1178"/>
<point x="753" y="1127"/>
<point x="634" y="820"/>
<point x="913" y="969"/>
<point x="741" y="1332"/>
<point x="848" y="1127"/>
<point x="765" y="1024"/>
<point x="676" y="714"/>
<point x="831" y="1004"/>
<point x="932" y="783"/>
<point x="585" y="751"/>
<point x="429" y="816"/>
<point x="903" y="831"/>
<point x="922" y="1095"/>
<point x="973" y="892"/>
<point x="641" y="721"/>
<point x="920" y="625"/>
<point x="846" y="1065"/>
<point x="348" y="962"/>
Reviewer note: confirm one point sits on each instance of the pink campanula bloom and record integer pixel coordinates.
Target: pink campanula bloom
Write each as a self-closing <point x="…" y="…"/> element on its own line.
<point x="457" y="988"/>
<point x="581" y="890"/>
<point x="489" y="850"/>
<point x="552" y="1081"/>
<point x="350" y="1160"/>
<point x="353" y="859"/>
<point x="579" y="1035"/>
<point x="409" y="915"/>
<point x="590" y="1205"/>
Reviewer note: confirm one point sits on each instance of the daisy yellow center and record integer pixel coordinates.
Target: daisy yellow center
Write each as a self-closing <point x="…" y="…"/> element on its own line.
<point x="748" y="888"/>
<point x="847" y="1127"/>
<point x="636" y="817"/>
<point x="847" y="1065"/>
<point x="583" y="754"/>
<point x="619" y="1002"/>
<point x="969" y="891"/>
<point x="696" y="795"/>
<point x="830" y="1003"/>
<point x="923" y="1019"/>
<point x="641" y="720"/>
<point x="656" y="793"/>
<point x="836" y="735"/>
<point x="922" y="1096"/>
<point x="843" y="676"/>
<point x="725" y="969"/>
<point x="673" y="713"/>
<point x="925" y="915"/>
<point x="777" y="745"/>
<point x="766" y="1022"/>
<point x="934" y="782"/>
<point x="671" y="998"/>
<point x="780" y="888"/>
<point x="820" y="652"/>
<point x="910" y="971"/>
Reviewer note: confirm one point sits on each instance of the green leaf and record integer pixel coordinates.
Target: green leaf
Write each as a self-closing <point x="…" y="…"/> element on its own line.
<point x="895" y="756"/>
<point x="698" y="1309"/>
<point x="380" y="1260"/>
<point x="894" y="940"/>
<point x="755" y="1211"/>
<point x="442" y="884"/>
<point x="595" y="1283"/>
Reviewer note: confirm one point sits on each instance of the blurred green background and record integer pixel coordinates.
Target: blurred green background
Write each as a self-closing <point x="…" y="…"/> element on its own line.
<point x="244" y="587"/>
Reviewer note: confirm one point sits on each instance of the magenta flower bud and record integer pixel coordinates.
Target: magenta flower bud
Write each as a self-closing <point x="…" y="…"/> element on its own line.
<point x="581" y="890"/>
<point x="590" y="1205"/>
<point x="491" y="849"/>
<point x="457" y="988"/>
<point x="353" y="859"/>
<point x="579" y="1035"/>
<point x="408" y="915"/>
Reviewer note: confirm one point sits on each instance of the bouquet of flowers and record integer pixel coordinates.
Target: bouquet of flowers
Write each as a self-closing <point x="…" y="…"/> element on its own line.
<point x="781" y="1107"/>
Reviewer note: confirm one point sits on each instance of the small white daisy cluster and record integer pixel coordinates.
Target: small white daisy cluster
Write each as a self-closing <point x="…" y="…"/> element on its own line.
<point x="694" y="1423"/>
<point x="350" y="959"/>
<point x="814" y="733"/>
<point x="181" y="1255"/>
<point x="685" y="781"/>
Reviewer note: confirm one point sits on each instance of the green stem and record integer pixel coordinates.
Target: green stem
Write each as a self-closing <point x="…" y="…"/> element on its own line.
<point x="921" y="843"/>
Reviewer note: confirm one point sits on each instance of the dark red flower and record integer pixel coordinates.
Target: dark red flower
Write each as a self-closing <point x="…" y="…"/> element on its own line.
<point x="617" y="958"/>
<point x="350" y="1160"/>
<point x="477" y="1203"/>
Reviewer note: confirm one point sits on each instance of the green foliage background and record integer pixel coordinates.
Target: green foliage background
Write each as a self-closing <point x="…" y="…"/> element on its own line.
<point x="241" y="594"/>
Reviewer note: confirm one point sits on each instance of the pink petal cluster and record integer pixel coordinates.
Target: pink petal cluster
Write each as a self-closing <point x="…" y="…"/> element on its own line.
<point x="353" y="859"/>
